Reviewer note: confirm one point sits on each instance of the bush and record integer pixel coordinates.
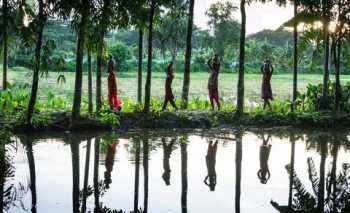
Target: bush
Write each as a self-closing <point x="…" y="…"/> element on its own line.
<point x="312" y="99"/>
<point x="121" y="54"/>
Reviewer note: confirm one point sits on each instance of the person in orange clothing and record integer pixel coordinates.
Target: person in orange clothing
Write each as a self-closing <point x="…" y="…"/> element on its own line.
<point x="115" y="103"/>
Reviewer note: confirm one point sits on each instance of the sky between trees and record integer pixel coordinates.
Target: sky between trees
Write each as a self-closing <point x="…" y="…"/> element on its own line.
<point x="259" y="16"/>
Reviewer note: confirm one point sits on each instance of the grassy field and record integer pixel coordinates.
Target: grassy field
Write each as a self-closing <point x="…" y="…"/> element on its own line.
<point x="127" y="84"/>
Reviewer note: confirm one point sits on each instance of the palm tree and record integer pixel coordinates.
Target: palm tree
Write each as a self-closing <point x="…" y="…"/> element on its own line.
<point x="139" y="70"/>
<point x="96" y="171"/>
<point x="295" y="57"/>
<point x="292" y="163"/>
<point x="326" y="4"/>
<point x="137" y="175"/>
<point x="145" y="172"/>
<point x="82" y="8"/>
<point x="188" y="54"/>
<point x="31" y="162"/>
<point x="33" y="95"/>
<point x="150" y="55"/>
<point x="240" y="85"/>
<point x="5" y="42"/>
<point x="2" y="174"/>
<point x="74" y="145"/>
<point x="239" y="154"/>
<point x="184" y="178"/>
<point x="340" y="17"/>
<point x="90" y="104"/>
<point x="86" y="175"/>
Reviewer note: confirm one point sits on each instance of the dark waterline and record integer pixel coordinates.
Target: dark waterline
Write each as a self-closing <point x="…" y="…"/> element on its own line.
<point x="171" y="172"/>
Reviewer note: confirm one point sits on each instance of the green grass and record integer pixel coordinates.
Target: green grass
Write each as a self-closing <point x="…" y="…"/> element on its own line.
<point x="127" y="85"/>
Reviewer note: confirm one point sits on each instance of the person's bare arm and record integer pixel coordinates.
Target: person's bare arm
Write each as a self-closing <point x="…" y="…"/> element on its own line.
<point x="271" y="69"/>
<point x="206" y="180"/>
<point x="209" y="63"/>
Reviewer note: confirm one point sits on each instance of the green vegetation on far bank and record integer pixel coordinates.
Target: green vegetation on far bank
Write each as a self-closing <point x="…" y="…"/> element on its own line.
<point x="282" y="85"/>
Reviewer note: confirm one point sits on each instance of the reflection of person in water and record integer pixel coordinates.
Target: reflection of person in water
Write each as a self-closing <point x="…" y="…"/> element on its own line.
<point x="264" y="172"/>
<point x="210" y="179"/>
<point x="167" y="149"/>
<point x="110" y="162"/>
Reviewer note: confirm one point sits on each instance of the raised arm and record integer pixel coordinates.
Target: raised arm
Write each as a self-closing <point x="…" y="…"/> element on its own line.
<point x="271" y="69"/>
<point x="209" y="63"/>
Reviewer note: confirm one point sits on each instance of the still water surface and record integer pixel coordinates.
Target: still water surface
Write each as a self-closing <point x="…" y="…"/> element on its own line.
<point x="177" y="172"/>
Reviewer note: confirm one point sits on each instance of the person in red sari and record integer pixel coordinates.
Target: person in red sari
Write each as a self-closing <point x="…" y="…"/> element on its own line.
<point x="169" y="96"/>
<point x="266" y="90"/>
<point x="115" y="103"/>
<point x="214" y="69"/>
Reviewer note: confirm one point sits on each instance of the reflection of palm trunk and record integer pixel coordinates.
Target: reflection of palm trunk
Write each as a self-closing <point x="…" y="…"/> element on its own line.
<point x="145" y="172"/>
<point x="31" y="162"/>
<point x="2" y="175"/>
<point x="86" y="175"/>
<point x="184" y="181"/>
<point x="333" y="174"/>
<point x="96" y="161"/>
<point x="322" y="176"/>
<point x="75" y="166"/>
<point x="238" y="171"/>
<point x="137" y="176"/>
<point x="292" y="162"/>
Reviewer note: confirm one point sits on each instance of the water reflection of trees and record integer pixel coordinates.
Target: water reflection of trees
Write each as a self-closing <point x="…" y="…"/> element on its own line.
<point x="330" y="192"/>
<point x="12" y="190"/>
<point x="335" y="194"/>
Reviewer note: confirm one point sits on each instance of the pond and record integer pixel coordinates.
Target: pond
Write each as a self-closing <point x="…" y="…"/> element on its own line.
<point x="200" y="171"/>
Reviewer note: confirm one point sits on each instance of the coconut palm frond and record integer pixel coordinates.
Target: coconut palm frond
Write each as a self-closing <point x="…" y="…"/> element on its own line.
<point x="313" y="176"/>
<point x="302" y="199"/>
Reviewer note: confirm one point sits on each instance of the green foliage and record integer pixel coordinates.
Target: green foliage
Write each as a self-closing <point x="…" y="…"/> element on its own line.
<point x="121" y="53"/>
<point x="311" y="100"/>
<point x="14" y="99"/>
<point x="108" y="117"/>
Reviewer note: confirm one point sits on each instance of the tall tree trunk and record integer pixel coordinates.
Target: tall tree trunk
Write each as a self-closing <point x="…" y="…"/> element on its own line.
<point x="137" y="176"/>
<point x="184" y="178"/>
<point x="31" y="163"/>
<point x="79" y="68"/>
<point x="2" y="175"/>
<point x="139" y="73"/>
<point x="333" y="180"/>
<point x="35" y="83"/>
<point x="239" y="154"/>
<point x="76" y="174"/>
<point x="91" y="108"/>
<point x="86" y="175"/>
<point x="337" y="75"/>
<point x="292" y="163"/>
<point x="99" y="77"/>
<point x="325" y="98"/>
<point x="145" y="172"/>
<point x="295" y="59"/>
<point x="150" y="55"/>
<point x="96" y="170"/>
<point x="5" y="40"/>
<point x="188" y="55"/>
<point x="320" y="196"/>
<point x="240" y="87"/>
